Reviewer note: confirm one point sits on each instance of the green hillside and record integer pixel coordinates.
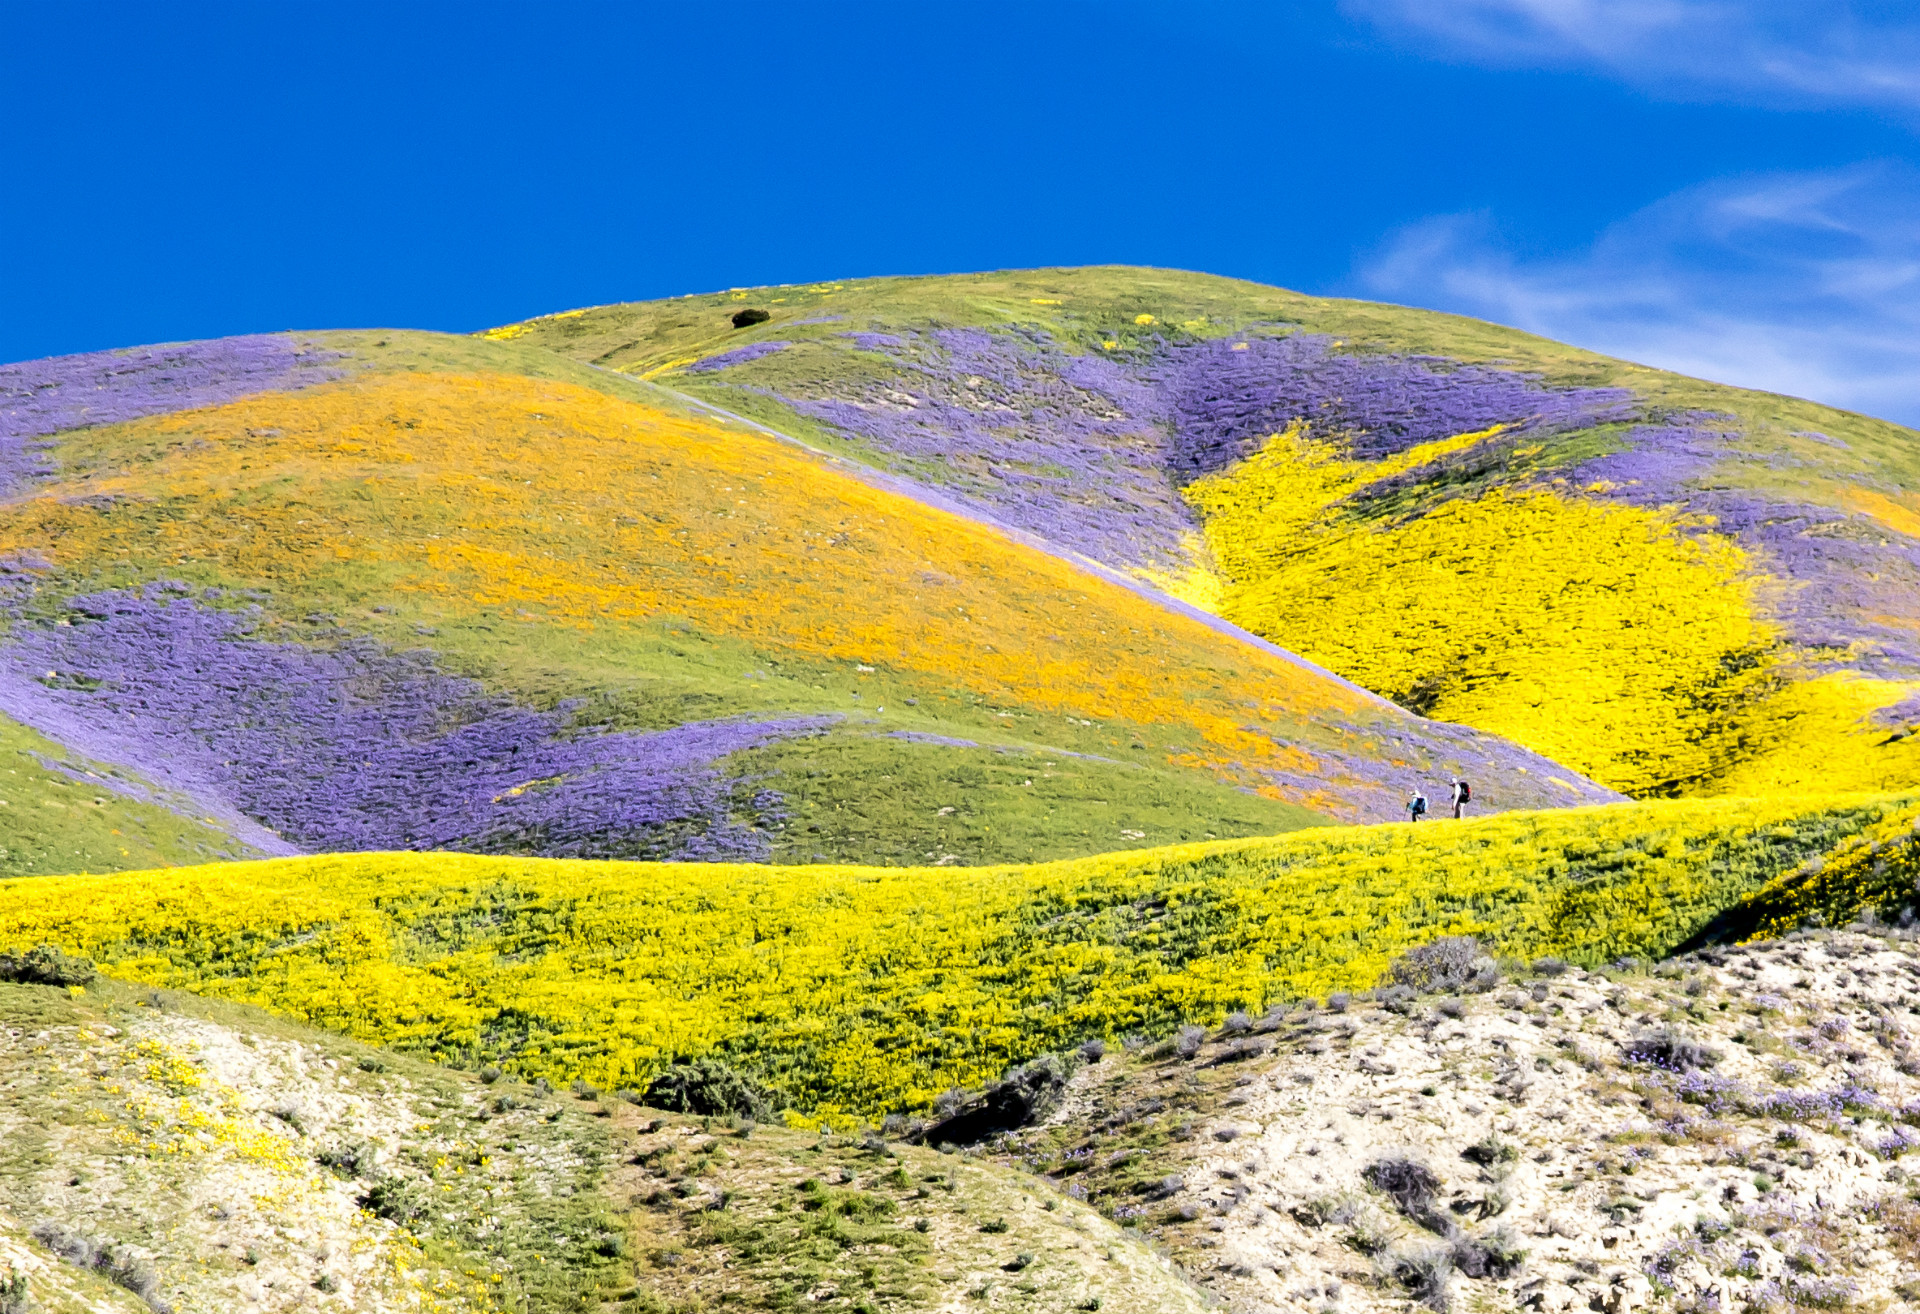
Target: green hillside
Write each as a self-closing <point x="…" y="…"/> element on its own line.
<point x="397" y="590"/>
<point x="1673" y="586"/>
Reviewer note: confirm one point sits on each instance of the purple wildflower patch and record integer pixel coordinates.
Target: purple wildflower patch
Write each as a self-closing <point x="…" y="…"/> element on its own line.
<point x="1089" y="451"/>
<point x="1010" y="424"/>
<point x="42" y="397"/>
<point x="1855" y="585"/>
<point x="355" y="747"/>
<point x="1224" y="398"/>
<point x="738" y="356"/>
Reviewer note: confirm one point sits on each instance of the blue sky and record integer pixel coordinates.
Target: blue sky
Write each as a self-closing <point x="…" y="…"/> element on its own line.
<point x="1730" y="189"/>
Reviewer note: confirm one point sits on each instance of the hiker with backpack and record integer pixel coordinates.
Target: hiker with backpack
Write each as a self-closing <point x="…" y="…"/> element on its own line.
<point x="1462" y="795"/>
<point x="1416" y="806"/>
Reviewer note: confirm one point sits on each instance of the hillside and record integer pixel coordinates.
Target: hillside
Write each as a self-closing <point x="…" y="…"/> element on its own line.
<point x="1228" y="1114"/>
<point x="385" y="591"/>
<point x="859" y="992"/>
<point x="159" y="1153"/>
<point x="1674" y="587"/>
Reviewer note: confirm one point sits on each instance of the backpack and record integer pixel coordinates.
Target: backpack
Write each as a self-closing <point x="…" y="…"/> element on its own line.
<point x="1466" y="792"/>
<point x="1419" y="804"/>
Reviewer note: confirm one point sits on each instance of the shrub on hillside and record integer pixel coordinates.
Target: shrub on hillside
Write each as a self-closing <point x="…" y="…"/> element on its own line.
<point x="710" y="1088"/>
<point x="1667" y="1048"/>
<point x="395" y="1199"/>
<point x="1027" y="1093"/>
<point x="46" y="965"/>
<point x="1453" y="962"/>
<point x="14" y="1298"/>
<point x="117" y="1264"/>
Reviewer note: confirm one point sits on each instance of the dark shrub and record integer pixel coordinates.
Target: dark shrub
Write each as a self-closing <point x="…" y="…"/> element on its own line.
<point x="1092" y="1051"/>
<point x="1489" y="1151"/>
<point x="1424" y="1274"/>
<point x="13" y="1293"/>
<point x="709" y="1088"/>
<point x="395" y="1199"/>
<point x="1549" y="966"/>
<point x="1410" y="1184"/>
<point x="1670" y="1049"/>
<point x="1237" y="1024"/>
<point x="348" y="1158"/>
<point x="1395" y="998"/>
<point x="489" y="1074"/>
<point x="1454" y="962"/>
<point x="1025" y="1094"/>
<point x="1497" y="1255"/>
<point x="1167" y="1187"/>
<point x="749" y="317"/>
<point x="46" y="965"/>
<point x="1187" y="1041"/>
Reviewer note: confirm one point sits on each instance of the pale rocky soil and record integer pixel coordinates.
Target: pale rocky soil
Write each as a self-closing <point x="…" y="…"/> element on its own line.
<point x="780" y="1218"/>
<point x="1630" y="1187"/>
<point x="1236" y="1177"/>
<point x="189" y="1144"/>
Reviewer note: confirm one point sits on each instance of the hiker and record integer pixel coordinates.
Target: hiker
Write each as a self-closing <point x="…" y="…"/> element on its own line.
<point x="1416" y="806"/>
<point x="1462" y="795"/>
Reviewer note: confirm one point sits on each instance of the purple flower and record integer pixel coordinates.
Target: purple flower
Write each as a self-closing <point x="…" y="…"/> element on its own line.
<point x="738" y="356"/>
<point x="41" y="397"/>
<point x="354" y="747"/>
<point x="1855" y="589"/>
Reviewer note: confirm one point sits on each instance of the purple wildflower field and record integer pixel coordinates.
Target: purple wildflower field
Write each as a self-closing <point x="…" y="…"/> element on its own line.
<point x="1090" y="451"/>
<point x="360" y="748"/>
<point x="42" y="397"/>
<point x="1064" y="446"/>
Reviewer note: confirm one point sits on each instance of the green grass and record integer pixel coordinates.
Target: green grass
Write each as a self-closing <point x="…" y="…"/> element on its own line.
<point x="861" y="797"/>
<point x="59" y="814"/>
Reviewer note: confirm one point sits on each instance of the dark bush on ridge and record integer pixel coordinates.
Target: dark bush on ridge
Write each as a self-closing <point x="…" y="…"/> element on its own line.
<point x="1410" y="1184"/>
<point x="396" y="1200"/>
<point x="1671" y="1049"/>
<point x="749" y="317"/>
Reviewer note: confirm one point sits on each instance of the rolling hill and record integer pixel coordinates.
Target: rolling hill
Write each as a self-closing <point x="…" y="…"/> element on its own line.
<point x="385" y="591"/>
<point x="885" y="802"/>
<point x="1672" y="586"/>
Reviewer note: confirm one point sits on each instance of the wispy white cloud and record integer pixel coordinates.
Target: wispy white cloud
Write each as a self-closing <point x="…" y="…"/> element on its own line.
<point x="1771" y="51"/>
<point x="1802" y="283"/>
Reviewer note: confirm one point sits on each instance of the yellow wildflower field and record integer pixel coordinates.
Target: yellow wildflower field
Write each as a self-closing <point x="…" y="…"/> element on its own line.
<point x="858" y="990"/>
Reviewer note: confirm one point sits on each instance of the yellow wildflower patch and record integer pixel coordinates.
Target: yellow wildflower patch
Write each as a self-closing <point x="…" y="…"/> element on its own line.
<point x="1608" y="637"/>
<point x="871" y="988"/>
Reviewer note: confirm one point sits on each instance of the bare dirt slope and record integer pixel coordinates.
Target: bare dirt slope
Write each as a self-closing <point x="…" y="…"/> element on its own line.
<point x="1723" y="1133"/>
